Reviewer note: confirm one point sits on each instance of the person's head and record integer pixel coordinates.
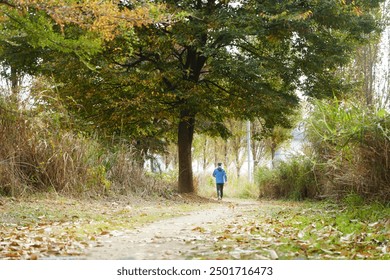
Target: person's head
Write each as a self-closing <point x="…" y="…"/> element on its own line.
<point x="219" y="164"/>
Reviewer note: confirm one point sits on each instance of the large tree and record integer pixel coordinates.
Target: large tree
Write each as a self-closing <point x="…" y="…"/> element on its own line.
<point x="208" y="60"/>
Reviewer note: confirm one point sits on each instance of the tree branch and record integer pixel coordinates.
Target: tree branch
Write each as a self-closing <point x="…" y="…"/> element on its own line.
<point x="7" y="3"/>
<point x="216" y="85"/>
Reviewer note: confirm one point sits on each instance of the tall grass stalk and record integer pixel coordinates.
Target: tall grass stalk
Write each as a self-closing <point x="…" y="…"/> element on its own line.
<point x="352" y="142"/>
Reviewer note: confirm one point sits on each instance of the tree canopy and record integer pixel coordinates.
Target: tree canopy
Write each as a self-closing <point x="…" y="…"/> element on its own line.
<point x="170" y="67"/>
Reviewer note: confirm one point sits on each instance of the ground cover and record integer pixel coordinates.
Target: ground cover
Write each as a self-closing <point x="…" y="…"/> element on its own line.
<point x="189" y="227"/>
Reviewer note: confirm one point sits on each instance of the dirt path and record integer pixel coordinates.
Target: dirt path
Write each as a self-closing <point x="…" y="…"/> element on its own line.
<point x="62" y="228"/>
<point x="168" y="239"/>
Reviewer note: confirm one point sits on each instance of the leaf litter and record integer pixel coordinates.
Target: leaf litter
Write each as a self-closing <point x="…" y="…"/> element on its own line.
<point x="294" y="232"/>
<point x="65" y="228"/>
<point x="265" y="230"/>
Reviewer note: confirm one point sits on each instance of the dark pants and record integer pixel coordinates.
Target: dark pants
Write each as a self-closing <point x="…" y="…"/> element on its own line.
<point x="220" y="190"/>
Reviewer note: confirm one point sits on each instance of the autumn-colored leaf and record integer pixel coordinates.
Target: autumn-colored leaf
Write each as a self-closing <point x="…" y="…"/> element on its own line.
<point x="199" y="229"/>
<point x="104" y="17"/>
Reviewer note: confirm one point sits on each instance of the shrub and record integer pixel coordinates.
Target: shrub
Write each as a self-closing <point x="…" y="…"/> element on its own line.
<point x="294" y="179"/>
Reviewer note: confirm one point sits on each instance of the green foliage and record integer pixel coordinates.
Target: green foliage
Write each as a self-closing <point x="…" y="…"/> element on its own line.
<point x="97" y="176"/>
<point x="247" y="191"/>
<point x="294" y="179"/>
<point x="359" y="208"/>
<point x="353" y="201"/>
<point x="350" y="145"/>
<point x="338" y="124"/>
<point x="209" y="61"/>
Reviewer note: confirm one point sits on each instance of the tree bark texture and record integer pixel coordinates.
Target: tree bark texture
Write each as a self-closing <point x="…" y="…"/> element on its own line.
<point x="185" y="137"/>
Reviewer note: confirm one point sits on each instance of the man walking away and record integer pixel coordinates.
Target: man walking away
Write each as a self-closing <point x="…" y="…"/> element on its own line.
<point x="220" y="178"/>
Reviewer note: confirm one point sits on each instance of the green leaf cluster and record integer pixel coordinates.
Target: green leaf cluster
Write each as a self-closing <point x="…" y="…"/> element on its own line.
<point x="198" y="62"/>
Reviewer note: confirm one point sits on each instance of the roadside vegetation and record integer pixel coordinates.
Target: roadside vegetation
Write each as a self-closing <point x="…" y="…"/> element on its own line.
<point x="41" y="153"/>
<point x="347" y="152"/>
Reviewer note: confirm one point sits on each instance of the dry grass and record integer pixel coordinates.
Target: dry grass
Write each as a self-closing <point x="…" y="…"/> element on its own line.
<point x="38" y="155"/>
<point x="352" y="144"/>
<point x="128" y="178"/>
<point x="365" y="172"/>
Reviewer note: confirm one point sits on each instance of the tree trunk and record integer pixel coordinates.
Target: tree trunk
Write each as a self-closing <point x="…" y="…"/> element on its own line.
<point x="238" y="168"/>
<point x="226" y="153"/>
<point x="273" y="151"/>
<point x="215" y="152"/>
<point x="185" y="137"/>
<point x="205" y="154"/>
<point x="14" y="85"/>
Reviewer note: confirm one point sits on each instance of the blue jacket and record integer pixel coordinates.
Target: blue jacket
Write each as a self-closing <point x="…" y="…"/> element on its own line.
<point x="220" y="175"/>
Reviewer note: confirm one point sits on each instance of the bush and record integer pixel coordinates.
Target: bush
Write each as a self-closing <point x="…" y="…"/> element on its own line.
<point x="350" y="155"/>
<point x="248" y="191"/>
<point x="294" y="179"/>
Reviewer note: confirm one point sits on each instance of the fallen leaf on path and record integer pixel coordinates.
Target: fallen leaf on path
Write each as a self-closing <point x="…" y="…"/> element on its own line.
<point x="199" y="229"/>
